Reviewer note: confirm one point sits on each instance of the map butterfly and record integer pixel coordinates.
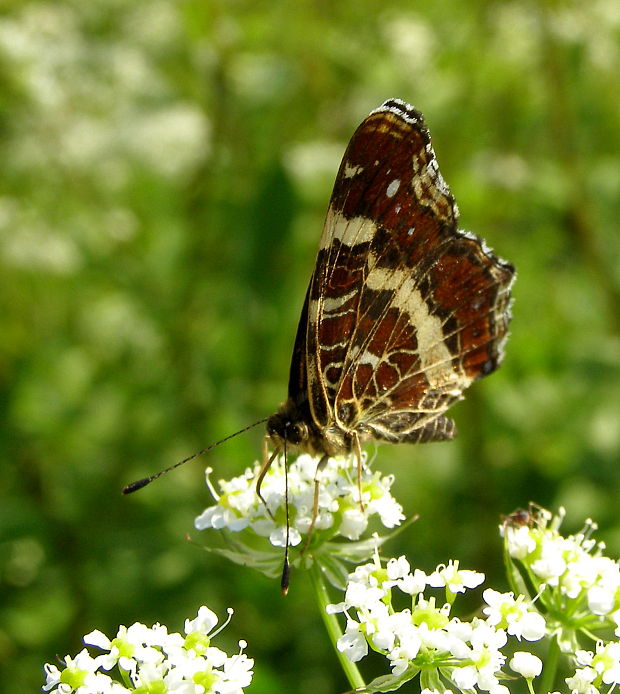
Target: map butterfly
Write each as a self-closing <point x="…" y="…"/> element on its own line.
<point x="404" y="310"/>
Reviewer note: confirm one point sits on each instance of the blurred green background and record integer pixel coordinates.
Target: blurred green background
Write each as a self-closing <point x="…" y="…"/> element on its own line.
<point x="165" y="172"/>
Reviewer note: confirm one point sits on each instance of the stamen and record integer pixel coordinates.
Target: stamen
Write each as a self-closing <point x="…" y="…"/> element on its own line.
<point x="223" y="626"/>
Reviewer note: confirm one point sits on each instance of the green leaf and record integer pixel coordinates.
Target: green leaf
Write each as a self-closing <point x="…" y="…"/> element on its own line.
<point x="390" y="683"/>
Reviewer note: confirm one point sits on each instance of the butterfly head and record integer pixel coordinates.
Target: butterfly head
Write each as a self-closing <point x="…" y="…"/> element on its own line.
<point x="283" y="426"/>
<point x="293" y="424"/>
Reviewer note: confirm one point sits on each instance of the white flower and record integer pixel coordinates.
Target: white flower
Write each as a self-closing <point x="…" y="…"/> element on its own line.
<point x="277" y="537"/>
<point x="353" y="524"/>
<point x="551" y="564"/>
<point x="423" y="636"/>
<point x="237" y="673"/>
<point x="389" y="510"/>
<point x="601" y="600"/>
<point x="413" y="583"/>
<point x="581" y="682"/>
<point x="406" y="644"/>
<point x="465" y="677"/>
<point x="155" y="660"/>
<point x="204" y="621"/>
<point x="130" y="646"/>
<point x="526" y="664"/>
<point x="399" y="575"/>
<point x="362" y="594"/>
<point x="454" y="579"/>
<point x="217" y="518"/>
<point x="569" y="573"/>
<point x="80" y="674"/>
<point x="397" y="568"/>
<point x="519" y="541"/>
<point x="339" y="511"/>
<point x="583" y="657"/>
<point x="514" y="615"/>
<point x="605" y="661"/>
<point x="352" y="643"/>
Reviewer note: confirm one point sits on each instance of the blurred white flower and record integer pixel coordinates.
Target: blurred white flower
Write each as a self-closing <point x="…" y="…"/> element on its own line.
<point x="171" y="140"/>
<point x="413" y="41"/>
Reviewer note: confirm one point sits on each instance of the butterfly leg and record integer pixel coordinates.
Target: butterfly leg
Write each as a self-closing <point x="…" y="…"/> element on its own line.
<point x="315" y="501"/>
<point x="357" y="448"/>
<point x="267" y="461"/>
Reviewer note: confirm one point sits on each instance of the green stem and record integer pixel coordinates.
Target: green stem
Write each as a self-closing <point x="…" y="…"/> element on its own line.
<point x="551" y="667"/>
<point x="333" y="628"/>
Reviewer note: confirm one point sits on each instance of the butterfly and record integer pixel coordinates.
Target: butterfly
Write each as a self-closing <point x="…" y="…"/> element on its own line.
<point x="404" y="310"/>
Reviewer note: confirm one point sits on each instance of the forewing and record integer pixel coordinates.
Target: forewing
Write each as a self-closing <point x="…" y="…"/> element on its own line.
<point x="404" y="310"/>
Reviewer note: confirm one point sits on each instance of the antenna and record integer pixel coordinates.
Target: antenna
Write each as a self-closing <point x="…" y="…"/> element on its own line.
<point x="139" y="484"/>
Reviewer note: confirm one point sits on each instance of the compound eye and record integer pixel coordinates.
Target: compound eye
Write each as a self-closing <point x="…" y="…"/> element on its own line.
<point x="274" y="425"/>
<point x="296" y="433"/>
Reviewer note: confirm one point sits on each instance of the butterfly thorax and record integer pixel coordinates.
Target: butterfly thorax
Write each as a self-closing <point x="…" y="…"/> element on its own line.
<point x="293" y="423"/>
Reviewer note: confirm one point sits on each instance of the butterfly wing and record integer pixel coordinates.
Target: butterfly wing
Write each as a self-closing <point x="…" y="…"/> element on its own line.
<point x="404" y="311"/>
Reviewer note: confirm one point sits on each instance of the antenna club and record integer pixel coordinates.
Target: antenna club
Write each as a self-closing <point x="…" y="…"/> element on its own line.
<point x="286" y="576"/>
<point x="138" y="484"/>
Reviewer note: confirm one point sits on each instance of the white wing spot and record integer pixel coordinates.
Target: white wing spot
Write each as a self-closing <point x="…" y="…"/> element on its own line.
<point x="397" y="209"/>
<point x="349" y="232"/>
<point x="411" y="231"/>
<point x="350" y="171"/>
<point x="392" y="189"/>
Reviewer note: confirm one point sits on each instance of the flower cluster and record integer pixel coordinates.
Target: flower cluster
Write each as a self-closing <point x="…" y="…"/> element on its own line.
<point x="150" y="659"/>
<point x="341" y="520"/>
<point x="425" y="638"/>
<point x="596" y="669"/>
<point x="339" y="508"/>
<point x="577" y="586"/>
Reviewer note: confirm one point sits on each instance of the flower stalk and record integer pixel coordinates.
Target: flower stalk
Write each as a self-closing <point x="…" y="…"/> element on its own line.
<point x="333" y="629"/>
